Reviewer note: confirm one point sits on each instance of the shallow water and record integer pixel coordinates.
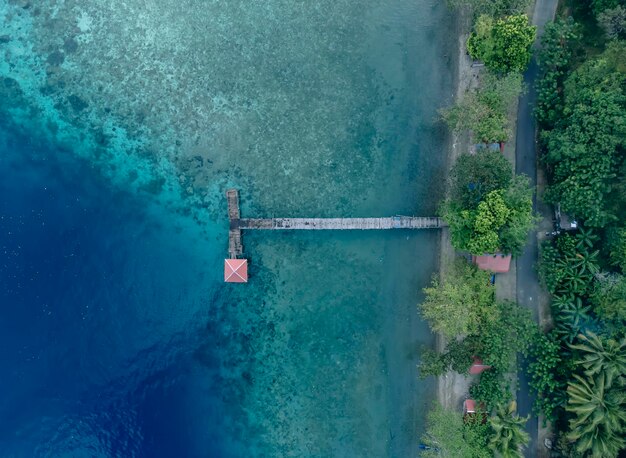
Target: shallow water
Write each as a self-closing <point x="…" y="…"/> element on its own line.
<point x="122" y="125"/>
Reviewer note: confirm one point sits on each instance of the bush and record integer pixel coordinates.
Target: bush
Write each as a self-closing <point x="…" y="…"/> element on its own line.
<point x="458" y="304"/>
<point x="547" y="375"/>
<point x="484" y="111"/>
<point x="492" y="389"/>
<point x="583" y="148"/>
<point x="502" y="44"/>
<point x="554" y="59"/>
<point x="500" y="222"/>
<point x="475" y="175"/>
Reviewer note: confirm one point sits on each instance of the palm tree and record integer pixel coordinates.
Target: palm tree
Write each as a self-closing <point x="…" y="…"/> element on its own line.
<point x="571" y="318"/>
<point x="598" y="355"/>
<point x="587" y="262"/>
<point x="599" y="419"/>
<point x="575" y="280"/>
<point x="585" y="238"/>
<point x="509" y="436"/>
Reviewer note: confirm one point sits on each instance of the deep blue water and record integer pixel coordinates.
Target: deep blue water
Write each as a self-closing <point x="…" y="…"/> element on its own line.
<point x="102" y="317"/>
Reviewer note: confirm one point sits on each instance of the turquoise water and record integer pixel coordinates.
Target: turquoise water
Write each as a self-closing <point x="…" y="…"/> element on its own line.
<point x="323" y="108"/>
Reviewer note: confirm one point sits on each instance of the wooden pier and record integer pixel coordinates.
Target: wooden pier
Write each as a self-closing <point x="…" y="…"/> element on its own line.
<point x="237" y="224"/>
<point x="394" y="222"/>
<point x="235" y="247"/>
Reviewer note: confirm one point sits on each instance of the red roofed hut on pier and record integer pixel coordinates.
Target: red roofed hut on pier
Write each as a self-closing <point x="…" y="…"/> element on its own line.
<point x="236" y="270"/>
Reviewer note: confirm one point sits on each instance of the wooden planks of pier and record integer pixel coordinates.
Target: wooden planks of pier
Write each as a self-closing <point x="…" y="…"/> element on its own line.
<point x="394" y="222"/>
<point x="237" y="223"/>
<point x="235" y="247"/>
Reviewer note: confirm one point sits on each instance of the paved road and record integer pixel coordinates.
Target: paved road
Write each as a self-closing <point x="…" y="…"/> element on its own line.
<point x="528" y="288"/>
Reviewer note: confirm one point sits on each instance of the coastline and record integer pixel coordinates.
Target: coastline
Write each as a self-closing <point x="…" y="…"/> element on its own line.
<point x="452" y="387"/>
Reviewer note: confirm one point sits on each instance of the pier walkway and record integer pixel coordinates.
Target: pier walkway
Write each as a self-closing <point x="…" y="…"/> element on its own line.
<point x="237" y="224"/>
<point x="394" y="222"/>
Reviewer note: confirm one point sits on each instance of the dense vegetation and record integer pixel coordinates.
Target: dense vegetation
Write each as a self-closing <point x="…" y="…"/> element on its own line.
<point x="503" y="44"/>
<point x="578" y="368"/>
<point x="485" y="110"/>
<point x="489" y="209"/>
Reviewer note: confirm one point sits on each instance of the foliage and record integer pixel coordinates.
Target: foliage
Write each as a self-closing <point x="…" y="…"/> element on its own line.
<point x="572" y="317"/>
<point x="546" y="371"/>
<point x="484" y="111"/>
<point x="602" y="356"/>
<point x="450" y="436"/>
<point x="598" y="6"/>
<point x="475" y="175"/>
<point x="599" y="416"/>
<point x="491" y="390"/>
<point x="613" y="22"/>
<point x="609" y="298"/>
<point x="500" y="222"/>
<point x="500" y="340"/>
<point x="491" y="7"/>
<point x="502" y="44"/>
<point x="616" y="241"/>
<point x="458" y="356"/>
<point x="509" y="437"/>
<point x="554" y="58"/>
<point x="567" y="265"/>
<point x="582" y="148"/>
<point x="456" y="305"/>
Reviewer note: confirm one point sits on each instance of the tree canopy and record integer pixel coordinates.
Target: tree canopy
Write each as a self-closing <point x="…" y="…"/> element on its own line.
<point x="502" y="44"/>
<point x="500" y="222"/>
<point x="484" y="111"/>
<point x="473" y="176"/>
<point x="582" y="149"/>
<point x="458" y="304"/>
<point x="452" y="437"/>
<point x="494" y="8"/>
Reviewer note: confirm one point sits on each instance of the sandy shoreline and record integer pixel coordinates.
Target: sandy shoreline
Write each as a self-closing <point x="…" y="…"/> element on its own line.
<point x="452" y="387"/>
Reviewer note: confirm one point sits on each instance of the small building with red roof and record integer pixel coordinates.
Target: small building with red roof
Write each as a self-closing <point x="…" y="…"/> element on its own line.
<point x="478" y="367"/>
<point x="497" y="263"/>
<point x="236" y="270"/>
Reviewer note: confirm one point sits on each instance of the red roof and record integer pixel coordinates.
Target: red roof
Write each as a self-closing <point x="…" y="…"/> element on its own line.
<point x="493" y="262"/>
<point x="469" y="406"/>
<point x="236" y="270"/>
<point x="478" y="367"/>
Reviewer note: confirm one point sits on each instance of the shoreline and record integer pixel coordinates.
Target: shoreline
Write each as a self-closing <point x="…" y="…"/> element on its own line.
<point x="451" y="387"/>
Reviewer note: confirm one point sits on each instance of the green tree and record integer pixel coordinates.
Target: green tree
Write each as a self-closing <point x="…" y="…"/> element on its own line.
<point x="582" y="149"/>
<point x="598" y="6"/>
<point x="599" y="416"/>
<point x="491" y="7"/>
<point x="547" y="372"/>
<point x="607" y="356"/>
<point x="554" y="59"/>
<point x="502" y="44"/>
<point x="457" y="305"/>
<point x="452" y="437"/>
<point x="616" y="243"/>
<point x="475" y="175"/>
<point x="613" y="22"/>
<point x="492" y="389"/>
<point x="500" y="222"/>
<point x="509" y="437"/>
<point x="484" y="110"/>
<point x="609" y="298"/>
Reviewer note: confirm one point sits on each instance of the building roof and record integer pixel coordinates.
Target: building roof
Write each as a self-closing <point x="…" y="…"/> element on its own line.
<point x="478" y="367"/>
<point x="469" y="406"/>
<point x="497" y="262"/>
<point x="236" y="270"/>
